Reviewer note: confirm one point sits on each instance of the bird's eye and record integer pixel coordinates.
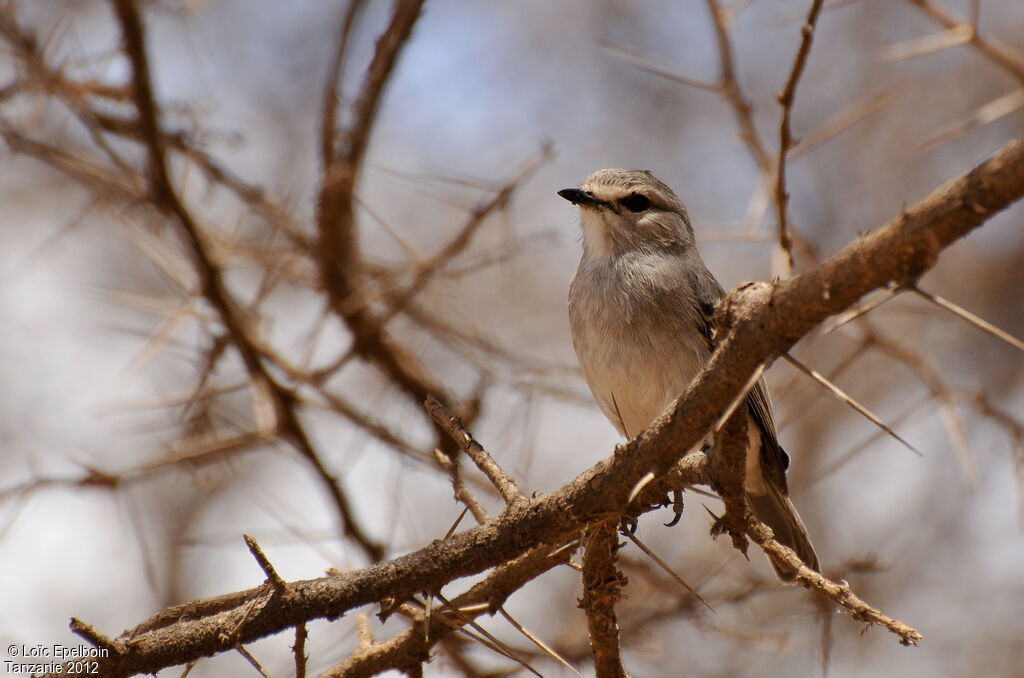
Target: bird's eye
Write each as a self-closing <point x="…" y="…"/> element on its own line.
<point x="636" y="202"/>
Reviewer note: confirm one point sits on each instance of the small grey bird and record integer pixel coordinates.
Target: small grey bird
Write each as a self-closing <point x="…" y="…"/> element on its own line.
<point x="641" y="307"/>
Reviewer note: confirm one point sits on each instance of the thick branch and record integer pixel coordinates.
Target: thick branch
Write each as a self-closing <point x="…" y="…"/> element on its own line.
<point x="728" y="471"/>
<point x="759" y="321"/>
<point x="413" y="646"/>
<point x="762" y="320"/>
<point x="602" y="589"/>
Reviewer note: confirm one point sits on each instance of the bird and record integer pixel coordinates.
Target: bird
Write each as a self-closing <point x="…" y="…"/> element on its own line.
<point x="642" y="313"/>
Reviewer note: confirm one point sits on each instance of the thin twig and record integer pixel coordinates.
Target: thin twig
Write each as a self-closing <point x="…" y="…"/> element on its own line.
<point x="252" y="660"/>
<point x="843" y="120"/>
<point x="299" y="650"/>
<point x="365" y="632"/>
<point x="338" y="256"/>
<point x="827" y="470"/>
<point x="862" y="308"/>
<point x="496" y="644"/>
<point x="980" y="323"/>
<point x="837" y="593"/>
<point x="647" y="62"/>
<point x="743" y="111"/>
<point x="97" y="638"/>
<point x="740" y="398"/>
<point x="462" y="493"/>
<point x="329" y="116"/>
<point x="786" y="141"/>
<point x="946" y="395"/>
<point x="268" y="568"/>
<point x="462" y="239"/>
<point x="846" y="398"/>
<point x="668" y="570"/>
<point x="403" y="651"/>
<point x="547" y="649"/>
<point x="1001" y="106"/>
<point x="995" y="50"/>
<point x="452" y="425"/>
<point x="729" y="86"/>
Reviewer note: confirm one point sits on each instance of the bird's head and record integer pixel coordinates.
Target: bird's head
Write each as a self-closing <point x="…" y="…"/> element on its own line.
<point x="623" y="210"/>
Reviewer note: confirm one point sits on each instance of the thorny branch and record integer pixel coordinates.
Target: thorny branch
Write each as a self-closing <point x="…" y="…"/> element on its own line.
<point x="452" y="425"/>
<point x="783" y="312"/>
<point x="840" y="593"/>
<point x="283" y="402"/>
<point x="411" y="648"/>
<point x="602" y="589"/>
<point x="539" y="530"/>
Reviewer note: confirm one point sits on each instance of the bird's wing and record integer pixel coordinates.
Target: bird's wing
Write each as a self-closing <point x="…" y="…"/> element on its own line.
<point x="774" y="460"/>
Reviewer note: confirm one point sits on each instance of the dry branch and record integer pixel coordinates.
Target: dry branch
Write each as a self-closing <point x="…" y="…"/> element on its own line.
<point x="758" y="321"/>
<point x="993" y="49"/>
<point x="452" y="425"/>
<point x="839" y="593"/>
<point x="786" y="141"/>
<point x="743" y="111"/>
<point x="412" y="647"/>
<point x="602" y="589"/>
<point x="211" y="282"/>
<point x="337" y="248"/>
<point x="730" y="88"/>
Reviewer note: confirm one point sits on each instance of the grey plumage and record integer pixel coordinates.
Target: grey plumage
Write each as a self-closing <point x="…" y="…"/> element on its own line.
<point x="641" y="308"/>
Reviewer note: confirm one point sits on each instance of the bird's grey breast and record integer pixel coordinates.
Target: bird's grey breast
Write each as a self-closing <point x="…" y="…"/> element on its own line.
<point x="635" y="325"/>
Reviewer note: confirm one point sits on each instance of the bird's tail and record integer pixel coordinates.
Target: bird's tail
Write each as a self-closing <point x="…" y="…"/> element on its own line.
<point x="776" y="511"/>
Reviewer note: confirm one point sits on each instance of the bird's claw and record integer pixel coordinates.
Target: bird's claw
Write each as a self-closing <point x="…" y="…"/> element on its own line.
<point x="677" y="508"/>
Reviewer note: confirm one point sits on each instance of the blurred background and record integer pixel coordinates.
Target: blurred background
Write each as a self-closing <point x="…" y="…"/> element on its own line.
<point x="135" y="449"/>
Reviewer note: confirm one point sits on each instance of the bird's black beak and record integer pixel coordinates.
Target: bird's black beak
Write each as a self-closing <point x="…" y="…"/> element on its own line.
<point x="578" y="196"/>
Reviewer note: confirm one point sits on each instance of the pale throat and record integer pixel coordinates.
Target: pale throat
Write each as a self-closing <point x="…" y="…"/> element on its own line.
<point x="596" y="242"/>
